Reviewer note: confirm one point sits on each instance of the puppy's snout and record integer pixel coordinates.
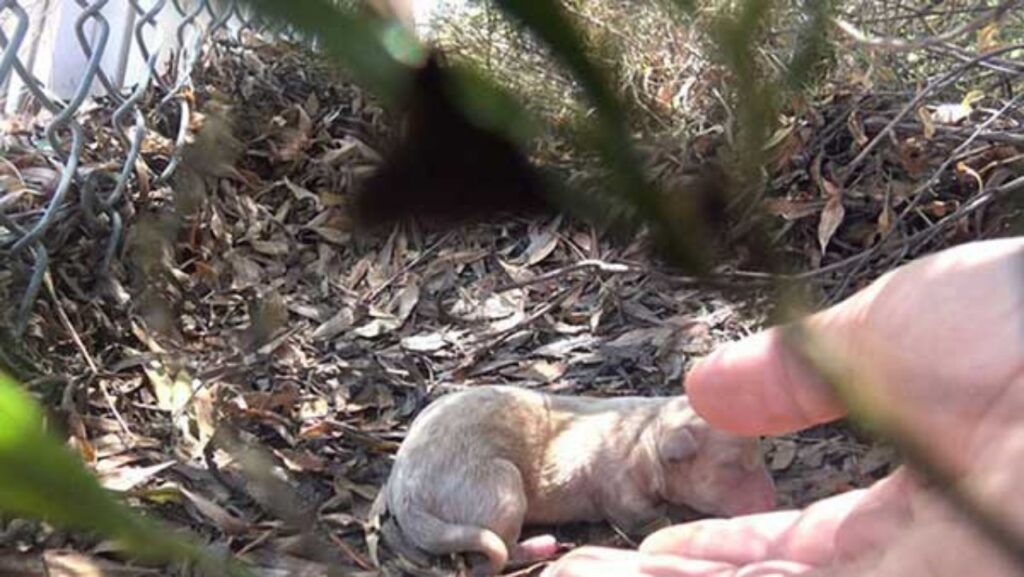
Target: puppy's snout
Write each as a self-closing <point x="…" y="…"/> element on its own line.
<point x="756" y="495"/>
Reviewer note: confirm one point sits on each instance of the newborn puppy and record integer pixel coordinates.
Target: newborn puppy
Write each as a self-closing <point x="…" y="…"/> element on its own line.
<point x="479" y="464"/>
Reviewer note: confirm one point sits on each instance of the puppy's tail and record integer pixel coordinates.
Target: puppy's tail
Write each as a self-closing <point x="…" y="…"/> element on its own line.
<point x="438" y="536"/>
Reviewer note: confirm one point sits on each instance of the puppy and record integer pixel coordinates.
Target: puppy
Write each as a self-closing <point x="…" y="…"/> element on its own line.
<point x="479" y="464"/>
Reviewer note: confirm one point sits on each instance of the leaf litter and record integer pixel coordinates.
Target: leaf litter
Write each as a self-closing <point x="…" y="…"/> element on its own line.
<point x="271" y="360"/>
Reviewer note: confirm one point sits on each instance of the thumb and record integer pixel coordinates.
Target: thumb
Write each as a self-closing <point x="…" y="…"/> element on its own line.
<point x="760" y="386"/>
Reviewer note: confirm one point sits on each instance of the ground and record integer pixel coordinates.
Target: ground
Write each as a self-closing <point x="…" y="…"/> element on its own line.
<point x="261" y="321"/>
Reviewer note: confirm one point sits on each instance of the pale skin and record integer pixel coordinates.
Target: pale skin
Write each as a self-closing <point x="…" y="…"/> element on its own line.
<point x="944" y="339"/>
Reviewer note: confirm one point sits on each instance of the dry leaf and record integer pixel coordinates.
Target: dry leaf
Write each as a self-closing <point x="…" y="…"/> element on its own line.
<point x="425" y="343"/>
<point x="227" y="522"/>
<point x="376" y="328"/>
<point x="640" y="337"/>
<point x="831" y="218"/>
<point x="543" y="371"/>
<point x="313" y="408"/>
<point x="791" y="209"/>
<point x="405" y="301"/>
<point x="79" y="438"/>
<point x="268" y="315"/>
<point x="125" y="479"/>
<point x="988" y="37"/>
<point x="172" y="392"/>
<point x="301" y="193"/>
<point x="950" y="114"/>
<point x="784" y="455"/>
<point x="271" y="247"/>
<point x="333" y="235"/>
<point x="558" y="349"/>
<point x="856" y="129"/>
<point x="292" y="142"/>
<point x="885" y="220"/>
<point x="913" y="156"/>
<point x="542" y="243"/>
<point x="334" y="326"/>
<point x="927" y="124"/>
<point x="301" y="461"/>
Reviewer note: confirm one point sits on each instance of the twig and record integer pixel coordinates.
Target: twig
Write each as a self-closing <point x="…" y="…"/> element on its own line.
<point x="912" y="105"/>
<point x="350" y="552"/>
<point x="918" y="194"/>
<point x="500" y="336"/>
<point x="980" y="200"/>
<point x="70" y="328"/>
<point x="899" y="45"/>
<point x="600" y="265"/>
<point x="93" y="369"/>
<point x="997" y="136"/>
<point x="405" y="269"/>
<point x="996" y="64"/>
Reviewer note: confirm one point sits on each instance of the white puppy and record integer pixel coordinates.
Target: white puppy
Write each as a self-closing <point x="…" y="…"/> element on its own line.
<point x="479" y="464"/>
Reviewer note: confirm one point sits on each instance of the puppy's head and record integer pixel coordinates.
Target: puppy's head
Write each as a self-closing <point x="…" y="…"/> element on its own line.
<point x="706" y="469"/>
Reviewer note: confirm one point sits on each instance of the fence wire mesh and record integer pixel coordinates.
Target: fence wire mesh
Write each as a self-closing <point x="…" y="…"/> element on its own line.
<point x="127" y="53"/>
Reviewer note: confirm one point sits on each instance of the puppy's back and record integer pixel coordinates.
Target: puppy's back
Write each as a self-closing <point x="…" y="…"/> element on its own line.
<point x="479" y="423"/>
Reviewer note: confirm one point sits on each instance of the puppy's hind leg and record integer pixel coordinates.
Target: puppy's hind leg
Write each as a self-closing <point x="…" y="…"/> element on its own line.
<point x="498" y="503"/>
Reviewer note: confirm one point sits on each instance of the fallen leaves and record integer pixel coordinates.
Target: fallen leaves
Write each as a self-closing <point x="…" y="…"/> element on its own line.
<point x="362" y="331"/>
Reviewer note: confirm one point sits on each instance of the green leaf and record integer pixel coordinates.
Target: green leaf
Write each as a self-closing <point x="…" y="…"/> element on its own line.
<point x="40" y="478"/>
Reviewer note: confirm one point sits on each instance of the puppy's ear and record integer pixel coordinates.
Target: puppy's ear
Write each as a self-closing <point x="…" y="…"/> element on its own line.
<point x="676" y="444"/>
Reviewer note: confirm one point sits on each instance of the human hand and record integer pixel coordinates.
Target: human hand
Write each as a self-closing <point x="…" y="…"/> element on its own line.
<point x="943" y="338"/>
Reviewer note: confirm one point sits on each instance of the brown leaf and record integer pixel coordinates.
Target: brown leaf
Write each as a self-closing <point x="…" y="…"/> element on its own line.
<point x="271" y="247"/>
<point x="246" y="272"/>
<point x="424" y="343"/>
<point x="542" y="243"/>
<point x="543" y="371"/>
<point x="784" y="455"/>
<point x="311" y="408"/>
<point x="856" y="128"/>
<point x="913" y="156"/>
<point x="791" y="209"/>
<point x="79" y="439"/>
<point x="405" y="301"/>
<point x="125" y="479"/>
<point x="885" y="220"/>
<point x="831" y="218"/>
<point x="301" y="461"/>
<point x="988" y="37"/>
<point x="293" y="141"/>
<point x="172" y="391"/>
<point x="333" y="235"/>
<point x="268" y="315"/>
<point x="334" y="326"/>
<point x="301" y="193"/>
<point x="227" y="522"/>
<point x="928" y="125"/>
<point x="65" y="563"/>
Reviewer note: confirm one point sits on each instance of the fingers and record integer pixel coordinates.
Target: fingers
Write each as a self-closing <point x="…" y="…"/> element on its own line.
<point x="602" y="562"/>
<point x="842" y="527"/>
<point x="907" y="328"/>
<point x="758" y="386"/>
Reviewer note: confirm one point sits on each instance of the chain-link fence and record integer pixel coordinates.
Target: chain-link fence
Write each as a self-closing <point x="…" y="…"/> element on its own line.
<point x="59" y="58"/>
